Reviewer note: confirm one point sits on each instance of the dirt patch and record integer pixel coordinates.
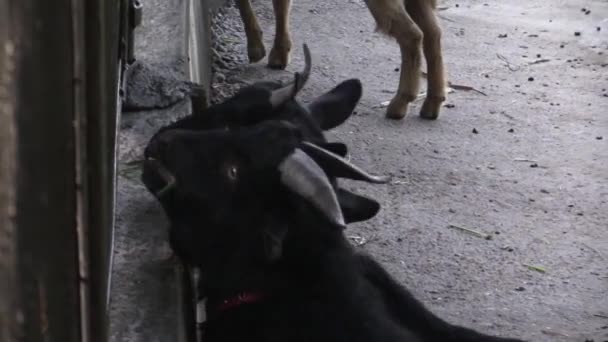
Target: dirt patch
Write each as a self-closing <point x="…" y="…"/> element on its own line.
<point x="524" y="165"/>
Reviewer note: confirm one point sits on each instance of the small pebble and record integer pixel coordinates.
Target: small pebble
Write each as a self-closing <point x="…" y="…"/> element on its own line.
<point x="451" y="210"/>
<point x="449" y="105"/>
<point x="580" y="213"/>
<point x="598" y="28"/>
<point x="399" y="239"/>
<point x="561" y="46"/>
<point x="396" y="69"/>
<point x="475" y="131"/>
<point x="587" y="13"/>
<point x="530" y="79"/>
<point x="538" y="55"/>
<point x="599" y="137"/>
<point x="577" y="33"/>
<point x="502" y="35"/>
<point x="511" y="130"/>
<point x="521" y="288"/>
<point x="583" y="9"/>
<point x="457" y="5"/>
<point x="544" y="191"/>
<point x="534" y="165"/>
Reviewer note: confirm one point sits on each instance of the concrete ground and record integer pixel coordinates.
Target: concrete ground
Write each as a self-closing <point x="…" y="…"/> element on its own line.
<point x="144" y="304"/>
<point x="534" y="176"/>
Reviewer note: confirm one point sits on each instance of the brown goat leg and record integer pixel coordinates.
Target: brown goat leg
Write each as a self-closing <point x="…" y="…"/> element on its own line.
<point x="280" y="52"/>
<point x="423" y="14"/>
<point x="392" y="19"/>
<point x="255" y="44"/>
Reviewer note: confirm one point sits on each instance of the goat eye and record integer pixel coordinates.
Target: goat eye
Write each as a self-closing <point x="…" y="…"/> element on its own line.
<point x="232" y="173"/>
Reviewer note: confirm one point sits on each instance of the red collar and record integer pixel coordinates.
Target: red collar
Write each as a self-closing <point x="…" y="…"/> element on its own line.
<point x="247" y="297"/>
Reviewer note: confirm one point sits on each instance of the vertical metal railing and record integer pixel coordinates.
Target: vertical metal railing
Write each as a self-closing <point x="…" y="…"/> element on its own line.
<point x="60" y="73"/>
<point x="9" y="314"/>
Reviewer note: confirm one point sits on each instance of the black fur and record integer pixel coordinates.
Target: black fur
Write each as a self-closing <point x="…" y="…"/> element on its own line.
<point x="232" y="217"/>
<point x="317" y="286"/>
<point x="250" y="106"/>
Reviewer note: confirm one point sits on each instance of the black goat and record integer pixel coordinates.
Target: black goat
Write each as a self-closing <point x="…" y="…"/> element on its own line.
<point x="269" y="237"/>
<point x="265" y="101"/>
<point x="258" y="208"/>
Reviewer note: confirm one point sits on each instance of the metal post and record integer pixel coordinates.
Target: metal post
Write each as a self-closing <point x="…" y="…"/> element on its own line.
<point x="9" y="309"/>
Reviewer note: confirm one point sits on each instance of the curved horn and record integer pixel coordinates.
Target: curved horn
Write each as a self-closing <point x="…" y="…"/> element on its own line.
<point x="339" y="167"/>
<point x="279" y="96"/>
<point x="335" y="147"/>
<point x="302" y="175"/>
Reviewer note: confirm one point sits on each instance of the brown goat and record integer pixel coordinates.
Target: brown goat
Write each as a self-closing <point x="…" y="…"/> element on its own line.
<point x="411" y="22"/>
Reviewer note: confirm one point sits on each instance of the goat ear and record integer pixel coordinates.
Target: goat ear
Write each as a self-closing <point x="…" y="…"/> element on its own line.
<point x="273" y="238"/>
<point x="356" y="208"/>
<point x="334" y="107"/>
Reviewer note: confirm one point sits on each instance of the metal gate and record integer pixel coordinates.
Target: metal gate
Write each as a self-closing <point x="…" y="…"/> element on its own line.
<point x="61" y="67"/>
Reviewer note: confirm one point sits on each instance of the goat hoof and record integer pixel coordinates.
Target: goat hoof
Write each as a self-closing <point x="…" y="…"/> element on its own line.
<point x="429" y="116"/>
<point x="256" y="53"/>
<point x="278" y="59"/>
<point x="430" y="109"/>
<point x="396" y="111"/>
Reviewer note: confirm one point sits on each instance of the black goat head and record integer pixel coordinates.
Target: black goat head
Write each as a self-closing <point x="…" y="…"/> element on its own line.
<point x="227" y="182"/>
<point x="264" y="101"/>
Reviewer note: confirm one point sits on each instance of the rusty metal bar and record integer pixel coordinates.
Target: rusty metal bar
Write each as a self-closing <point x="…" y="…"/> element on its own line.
<point x="9" y="309"/>
<point x="46" y="187"/>
<point x="104" y="38"/>
<point x="60" y="71"/>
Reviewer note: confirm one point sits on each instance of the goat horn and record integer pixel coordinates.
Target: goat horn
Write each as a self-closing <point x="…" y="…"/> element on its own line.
<point x="303" y="176"/>
<point x="279" y="96"/>
<point x="337" y="166"/>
